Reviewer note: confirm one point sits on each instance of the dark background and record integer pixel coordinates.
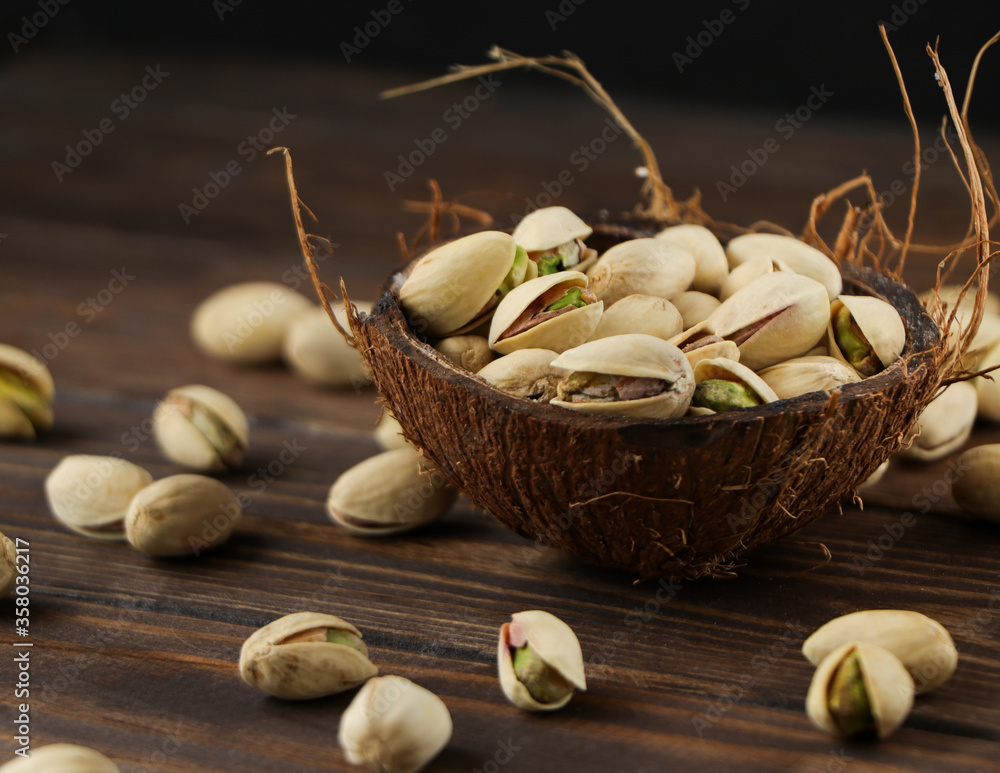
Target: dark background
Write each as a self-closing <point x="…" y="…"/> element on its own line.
<point x="769" y="54"/>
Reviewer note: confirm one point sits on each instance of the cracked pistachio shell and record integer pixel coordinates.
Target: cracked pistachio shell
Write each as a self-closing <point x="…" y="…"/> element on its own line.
<point x="549" y="227"/>
<point x="466" y="351"/>
<point x="988" y="389"/>
<point x="812" y="373"/>
<point x="291" y="658"/>
<point x="639" y="313"/>
<point x="944" y="425"/>
<point x="450" y="285"/>
<point x="799" y="256"/>
<point x="317" y="353"/>
<point x="710" y="350"/>
<point x="694" y="306"/>
<point x="559" y="333"/>
<point x="731" y="370"/>
<point x="26" y="392"/>
<point x="745" y="273"/>
<point x="388" y="433"/>
<point x="394" y="725"/>
<point x="181" y="515"/>
<point x="8" y="565"/>
<point x="647" y="266"/>
<point x="200" y="427"/>
<point x="389" y="493"/>
<point x="61" y="758"/>
<point x="554" y="643"/>
<point x="977" y="489"/>
<point x="878" y="321"/>
<point x="783" y="314"/>
<point x="526" y="373"/>
<point x="922" y="644"/>
<point x="637" y="355"/>
<point x="91" y="494"/>
<point x="246" y="322"/>
<point x="711" y="266"/>
<point x="887" y="685"/>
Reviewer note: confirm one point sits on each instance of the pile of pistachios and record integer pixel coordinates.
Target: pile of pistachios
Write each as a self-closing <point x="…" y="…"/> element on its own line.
<point x="658" y="327"/>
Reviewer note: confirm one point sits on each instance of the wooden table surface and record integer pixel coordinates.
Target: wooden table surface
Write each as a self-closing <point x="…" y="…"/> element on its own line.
<point x="137" y="657"/>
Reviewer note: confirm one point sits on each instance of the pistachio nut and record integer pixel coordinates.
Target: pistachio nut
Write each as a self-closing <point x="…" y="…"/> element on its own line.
<point x="694" y="306"/>
<point x="923" y="645"/>
<point x="454" y="288"/>
<point x="466" y="351"/>
<point x="639" y="313"/>
<point x="988" y="333"/>
<point x="556" y="311"/>
<point x="526" y="373"/>
<point x="745" y="273"/>
<point x="61" y="757"/>
<point x="951" y="294"/>
<point x="649" y="266"/>
<point x="632" y="375"/>
<point x="389" y="493"/>
<point x="723" y="384"/>
<point x="988" y="387"/>
<point x="875" y="477"/>
<point x="246" y="322"/>
<point x="711" y="266"/>
<point x="799" y="256"/>
<point x="8" y="565"/>
<point x="388" y="432"/>
<point x="539" y="661"/>
<point x="394" y="725"/>
<point x="867" y="333"/>
<point x="977" y="489"/>
<point x="26" y="392"/>
<point x="860" y="689"/>
<point x="91" y="494"/>
<point x="181" y="515"/>
<point x="774" y="318"/>
<point x="944" y="425"/>
<point x="710" y="348"/>
<point x="316" y="351"/>
<point x="201" y="428"/>
<point x="801" y="375"/>
<point x="305" y="655"/>
<point x="553" y="239"/>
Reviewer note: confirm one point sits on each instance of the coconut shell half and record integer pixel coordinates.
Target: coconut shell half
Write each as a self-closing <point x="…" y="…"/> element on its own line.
<point x="631" y="501"/>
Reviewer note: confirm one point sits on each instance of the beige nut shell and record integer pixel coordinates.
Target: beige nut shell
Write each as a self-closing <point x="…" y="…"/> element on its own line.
<point x="711" y="266"/>
<point x="469" y="352"/>
<point x="745" y="273"/>
<point x="183" y="442"/>
<point x="878" y="321"/>
<point x="944" y="425"/>
<point x="800" y="257"/>
<point x="649" y="266"/>
<point x="317" y="353"/>
<point x="525" y="373"/>
<point x="303" y="669"/>
<point x="61" y="758"/>
<point x="977" y="489"/>
<point x="554" y="642"/>
<point x="694" y="306"/>
<point x="812" y="373"/>
<point x="388" y="432"/>
<point x="640" y="313"/>
<point x="549" y="227"/>
<point x="8" y="565"/>
<point x="22" y="417"/>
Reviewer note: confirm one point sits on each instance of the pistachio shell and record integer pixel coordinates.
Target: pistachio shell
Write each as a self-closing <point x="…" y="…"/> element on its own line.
<point x="26" y="393"/>
<point x="988" y="387"/>
<point x="201" y="428"/>
<point x="745" y="273"/>
<point x="466" y="351"/>
<point x="711" y="266"/>
<point x="636" y="355"/>
<point x="316" y="351"/>
<point x="944" y="425"/>
<point x="710" y="350"/>
<point x="61" y="758"/>
<point x="526" y="373"/>
<point x="923" y="645"/>
<point x="640" y="314"/>
<point x="988" y="333"/>
<point x="949" y="295"/>
<point x="694" y="306"/>
<point x="389" y="493"/>
<point x="878" y="321"/>
<point x="388" y="433"/>
<point x="647" y="266"/>
<point x="987" y="336"/>
<point x="449" y="287"/>
<point x="977" y="489"/>
<point x="789" y="311"/>
<point x="801" y="375"/>
<point x="553" y="642"/>
<point x="91" y="494"/>
<point x="875" y="477"/>
<point x="887" y="684"/>
<point x="549" y="227"/>
<point x="181" y="515"/>
<point x="394" y="726"/>
<point x="301" y="669"/>
<point x="557" y="333"/>
<point x="8" y="565"/>
<point x="730" y="370"/>
<point x="802" y="258"/>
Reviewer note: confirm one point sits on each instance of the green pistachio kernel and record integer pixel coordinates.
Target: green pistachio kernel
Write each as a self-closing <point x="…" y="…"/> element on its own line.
<point x="517" y="271"/>
<point x="852" y="342"/>
<point x="346" y="638"/>
<point x="549" y="264"/>
<point x="721" y="395"/>
<point x="544" y="683"/>
<point x="848" y="699"/>
<point x="573" y="297"/>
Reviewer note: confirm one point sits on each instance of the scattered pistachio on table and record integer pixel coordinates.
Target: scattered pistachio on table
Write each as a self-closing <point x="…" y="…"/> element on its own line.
<point x="305" y="655"/>
<point x="26" y="392"/>
<point x="200" y="427"/>
<point x="944" y="425"/>
<point x="91" y="494"/>
<point x="539" y="661"/>
<point x="977" y="489"/>
<point x="388" y="433"/>
<point x="8" y="565"/>
<point x="61" y="758"/>
<point x="316" y="351"/>
<point x="394" y="726"/>
<point x="181" y="515"/>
